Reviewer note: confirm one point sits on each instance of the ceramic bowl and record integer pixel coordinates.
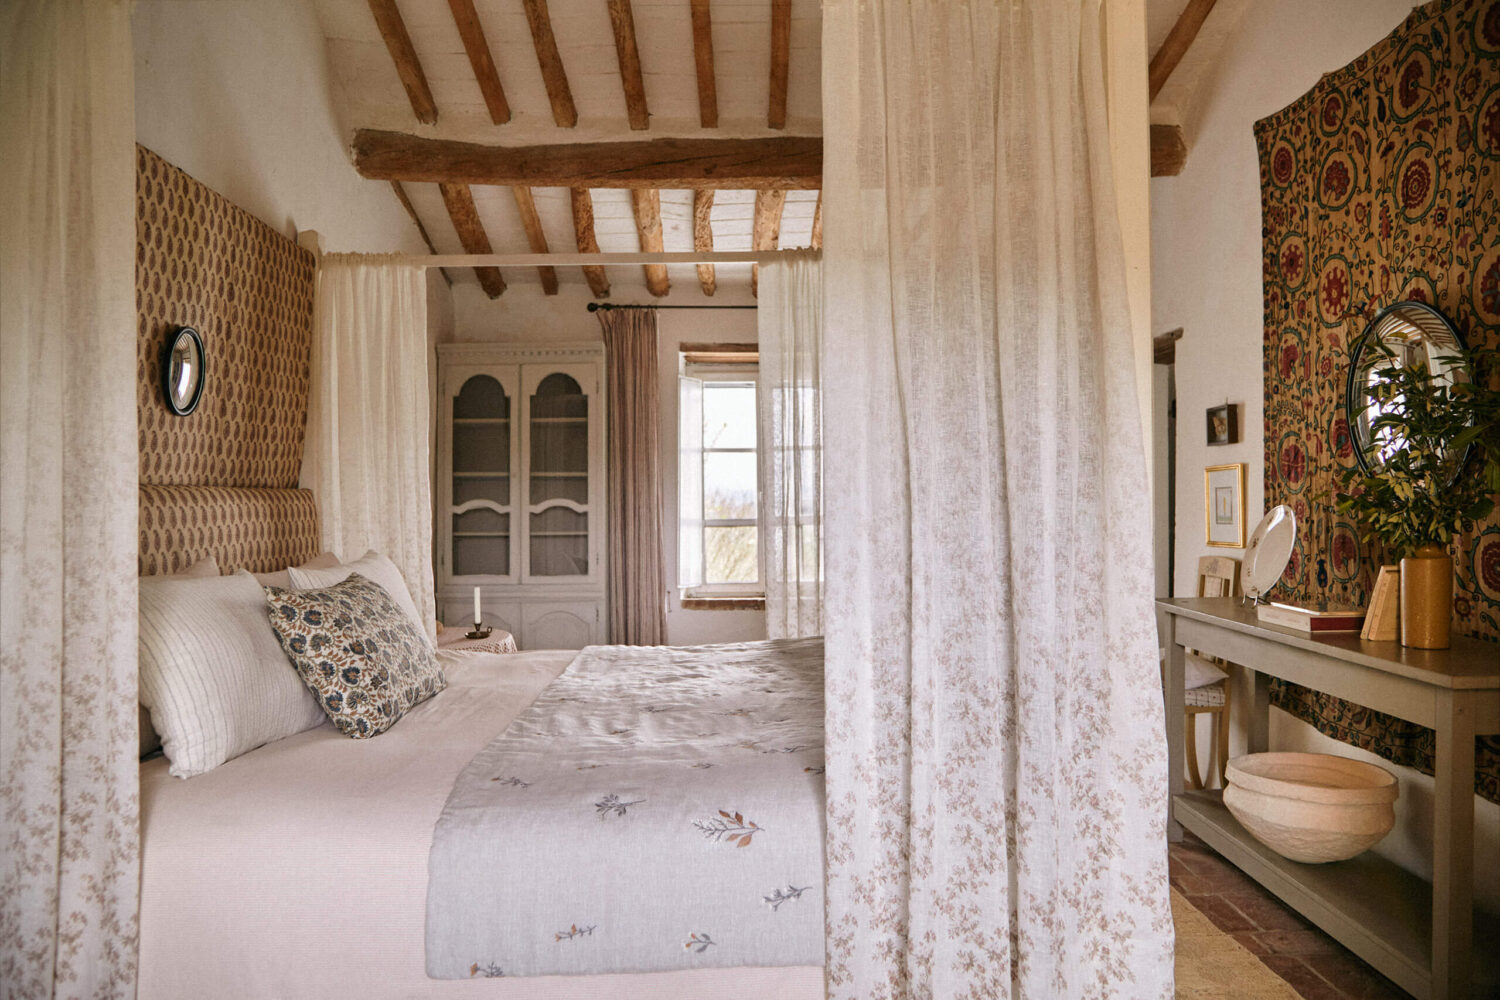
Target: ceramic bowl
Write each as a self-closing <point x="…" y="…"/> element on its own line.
<point x="1311" y="807"/>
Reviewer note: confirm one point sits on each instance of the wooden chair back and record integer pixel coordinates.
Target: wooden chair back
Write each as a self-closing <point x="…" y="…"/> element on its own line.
<point x="1218" y="576"/>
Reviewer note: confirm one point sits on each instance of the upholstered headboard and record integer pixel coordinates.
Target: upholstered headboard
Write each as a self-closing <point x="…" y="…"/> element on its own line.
<point x="222" y="480"/>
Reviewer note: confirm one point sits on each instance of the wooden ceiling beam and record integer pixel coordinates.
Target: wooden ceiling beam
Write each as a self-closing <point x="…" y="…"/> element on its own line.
<point x="767" y="232"/>
<point x="647" y="206"/>
<point x="460" y="203"/>
<point x="583" y="230"/>
<point x="623" y="23"/>
<point x="536" y="238"/>
<point x="1168" y="151"/>
<point x="703" y="58"/>
<point x="564" y="112"/>
<point x="421" y="229"/>
<point x="1177" y="42"/>
<point x="779" y="162"/>
<point x="817" y="231"/>
<point x="703" y="237"/>
<point x="408" y="67"/>
<point x="781" y="53"/>
<point x="478" y="48"/>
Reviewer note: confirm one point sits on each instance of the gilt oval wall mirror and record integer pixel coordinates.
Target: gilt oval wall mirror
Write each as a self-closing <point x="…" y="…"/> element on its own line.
<point x="1407" y="333"/>
<point x="183" y="370"/>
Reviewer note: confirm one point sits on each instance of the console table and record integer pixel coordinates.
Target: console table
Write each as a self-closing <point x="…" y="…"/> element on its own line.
<point x="1419" y="934"/>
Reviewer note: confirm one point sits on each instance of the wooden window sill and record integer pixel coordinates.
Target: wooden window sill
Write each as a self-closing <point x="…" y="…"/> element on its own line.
<point x="723" y="604"/>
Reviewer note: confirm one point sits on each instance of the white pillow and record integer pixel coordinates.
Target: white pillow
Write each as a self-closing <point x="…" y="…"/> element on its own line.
<point x="282" y="577"/>
<point x="372" y="566"/>
<point x="1199" y="671"/>
<point x="212" y="673"/>
<point x="149" y="741"/>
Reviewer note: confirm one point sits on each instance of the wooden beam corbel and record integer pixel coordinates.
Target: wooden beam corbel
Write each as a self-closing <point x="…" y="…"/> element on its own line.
<point x="564" y="113"/>
<point x="478" y="49"/>
<point x="703" y="238"/>
<point x="647" y="206"/>
<point x="408" y="67"/>
<point x="1164" y="347"/>
<point x="623" y="23"/>
<point x="1168" y="151"/>
<point x="460" y="203"/>
<point x="583" y="231"/>
<point x="536" y="238"/>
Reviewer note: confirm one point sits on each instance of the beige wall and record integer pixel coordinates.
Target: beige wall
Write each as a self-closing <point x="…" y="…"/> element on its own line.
<point x="524" y="315"/>
<point x="1206" y="278"/>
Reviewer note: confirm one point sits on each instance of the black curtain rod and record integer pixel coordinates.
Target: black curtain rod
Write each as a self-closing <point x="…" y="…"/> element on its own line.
<point x="610" y="306"/>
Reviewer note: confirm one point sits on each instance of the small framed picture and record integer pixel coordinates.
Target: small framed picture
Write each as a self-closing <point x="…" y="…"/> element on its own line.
<point x="1224" y="424"/>
<point x="1224" y="505"/>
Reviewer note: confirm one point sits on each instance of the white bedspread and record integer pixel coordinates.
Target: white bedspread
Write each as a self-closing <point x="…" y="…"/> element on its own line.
<point x="657" y="808"/>
<point x="300" y="869"/>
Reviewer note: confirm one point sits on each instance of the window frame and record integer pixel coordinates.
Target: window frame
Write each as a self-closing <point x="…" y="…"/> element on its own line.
<point x="721" y="373"/>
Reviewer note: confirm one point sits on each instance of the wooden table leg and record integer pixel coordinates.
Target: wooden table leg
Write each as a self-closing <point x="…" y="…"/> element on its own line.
<point x="1172" y="692"/>
<point x="1453" y="847"/>
<point x="1258" y="738"/>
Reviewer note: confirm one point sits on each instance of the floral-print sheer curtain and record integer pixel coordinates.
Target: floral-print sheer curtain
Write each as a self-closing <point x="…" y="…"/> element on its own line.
<point x="996" y="763"/>
<point x="69" y="857"/>
<point x="790" y="405"/>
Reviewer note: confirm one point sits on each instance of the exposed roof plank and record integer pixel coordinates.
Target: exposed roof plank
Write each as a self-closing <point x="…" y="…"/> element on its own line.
<point x="460" y="203"/>
<point x="408" y="67"/>
<point x="411" y="211"/>
<point x="703" y="58"/>
<point x="780" y="162"/>
<point x="623" y="23"/>
<point x="781" y="51"/>
<point x="583" y="230"/>
<point x="703" y="237"/>
<point x="817" y="231"/>
<point x="1177" y="42"/>
<point x="535" y="237"/>
<point x="472" y="33"/>
<point x="564" y="113"/>
<point x="767" y="232"/>
<point x="1168" y="151"/>
<point x="647" y="206"/>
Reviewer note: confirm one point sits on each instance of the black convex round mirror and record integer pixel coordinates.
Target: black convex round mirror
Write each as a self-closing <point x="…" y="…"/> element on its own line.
<point x="183" y="368"/>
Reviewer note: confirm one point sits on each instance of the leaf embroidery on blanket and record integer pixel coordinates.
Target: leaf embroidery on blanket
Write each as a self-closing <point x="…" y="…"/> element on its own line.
<point x="732" y="827"/>
<point x="791" y="749"/>
<point x="512" y="782"/>
<point x="703" y="765"/>
<point x="814" y="770"/>
<point x="698" y="943"/>
<point x="612" y="805"/>
<point x="574" y="932"/>
<point x="779" y="896"/>
<point x="488" y="971"/>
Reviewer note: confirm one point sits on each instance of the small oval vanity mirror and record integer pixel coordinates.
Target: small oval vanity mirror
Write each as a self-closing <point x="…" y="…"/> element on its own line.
<point x="183" y="368"/>
<point x="1407" y="333"/>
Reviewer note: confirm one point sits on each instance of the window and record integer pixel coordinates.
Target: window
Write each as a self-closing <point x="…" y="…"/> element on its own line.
<point x="718" y="481"/>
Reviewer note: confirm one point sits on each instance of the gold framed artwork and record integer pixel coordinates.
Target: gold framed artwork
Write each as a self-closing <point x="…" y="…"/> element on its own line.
<point x="1224" y="505"/>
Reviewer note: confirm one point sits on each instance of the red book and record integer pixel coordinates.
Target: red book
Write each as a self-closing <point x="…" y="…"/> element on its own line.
<point x="1319" y="617"/>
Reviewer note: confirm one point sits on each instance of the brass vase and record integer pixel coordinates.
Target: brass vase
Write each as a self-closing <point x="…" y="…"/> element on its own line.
<point x="1426" y="598"/>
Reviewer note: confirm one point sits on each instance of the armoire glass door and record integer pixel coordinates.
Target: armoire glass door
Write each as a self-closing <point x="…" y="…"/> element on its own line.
<point x="481" y="508"/>
<point x="559" y="476"/>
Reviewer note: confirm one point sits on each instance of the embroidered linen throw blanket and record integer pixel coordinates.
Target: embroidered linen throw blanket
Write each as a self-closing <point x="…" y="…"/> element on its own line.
<point x="656" y="808"/>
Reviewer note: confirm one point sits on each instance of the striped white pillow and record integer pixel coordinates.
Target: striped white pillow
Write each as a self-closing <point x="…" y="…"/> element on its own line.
<point x="212" y="674"/>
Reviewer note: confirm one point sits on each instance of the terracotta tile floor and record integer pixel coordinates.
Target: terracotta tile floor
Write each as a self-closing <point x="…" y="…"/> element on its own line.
<point x="1316" y="966"/>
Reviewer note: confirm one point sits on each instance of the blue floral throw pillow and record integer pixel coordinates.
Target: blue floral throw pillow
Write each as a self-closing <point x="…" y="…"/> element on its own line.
<point x="357" y="651"/>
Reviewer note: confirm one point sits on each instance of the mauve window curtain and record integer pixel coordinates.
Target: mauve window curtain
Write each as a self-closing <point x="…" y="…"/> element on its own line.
<point x="637" y="581"/>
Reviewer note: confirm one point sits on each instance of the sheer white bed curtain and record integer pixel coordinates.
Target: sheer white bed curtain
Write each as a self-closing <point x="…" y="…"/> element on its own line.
<point x="996" y="764"/>
<point x="366" y="456"/>
<point x="69" y="849"/>
<point x="789" y="398"/>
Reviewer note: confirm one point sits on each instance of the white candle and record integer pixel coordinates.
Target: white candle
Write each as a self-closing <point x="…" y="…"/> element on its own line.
<point x="477" y="616"/>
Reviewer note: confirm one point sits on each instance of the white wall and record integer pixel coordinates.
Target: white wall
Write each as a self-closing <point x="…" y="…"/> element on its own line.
<point x="1206" y="278"/>
<point x="524" y="315"/>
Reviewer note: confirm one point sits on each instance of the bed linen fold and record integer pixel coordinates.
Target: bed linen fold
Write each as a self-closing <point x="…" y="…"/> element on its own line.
<point x="656" y="808"/>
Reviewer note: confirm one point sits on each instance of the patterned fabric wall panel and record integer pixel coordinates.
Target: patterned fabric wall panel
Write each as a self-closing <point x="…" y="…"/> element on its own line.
<point x="1380" y="184"/>
<point x="206" y="263"/>
<point x="260" y="530"/>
